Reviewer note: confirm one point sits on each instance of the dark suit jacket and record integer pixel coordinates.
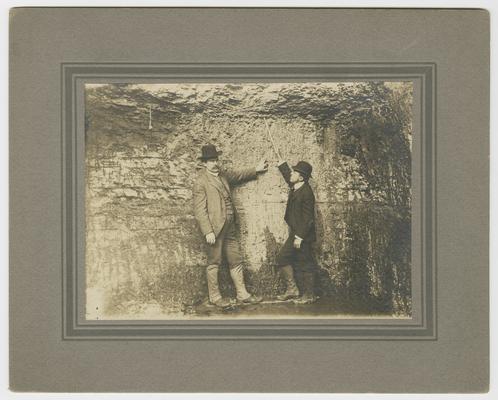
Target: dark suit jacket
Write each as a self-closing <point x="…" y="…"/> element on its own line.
<point x="300" y="210"/>
<point x="209" y="205"/>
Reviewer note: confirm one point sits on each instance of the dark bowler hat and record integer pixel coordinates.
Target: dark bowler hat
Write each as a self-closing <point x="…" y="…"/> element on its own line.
<point x="209" y="152"/>
<point x="303" y="168"/>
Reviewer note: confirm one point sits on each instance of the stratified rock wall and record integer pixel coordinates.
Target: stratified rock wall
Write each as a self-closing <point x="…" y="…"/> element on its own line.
<point x="144" y="252"/>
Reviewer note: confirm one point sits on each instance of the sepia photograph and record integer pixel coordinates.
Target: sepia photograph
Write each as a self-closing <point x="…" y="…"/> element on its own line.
<point x="207" y="199"/>
<point x="233" y="200"/>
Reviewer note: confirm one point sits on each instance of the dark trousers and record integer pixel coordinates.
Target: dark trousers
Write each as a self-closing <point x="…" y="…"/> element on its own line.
<point x="301" y="259"/>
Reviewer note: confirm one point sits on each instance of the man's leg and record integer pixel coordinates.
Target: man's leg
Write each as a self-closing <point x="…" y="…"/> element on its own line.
<point x="285" y="258"/>
<point x="308" y="283"/>
<point x="237" y="275"/>
<point x="214" y="255"/>
<point x="213" y="286"/>
<point x="235" y="263"/>
<point x="307" y="266"/>
<point x="291" y="290"/>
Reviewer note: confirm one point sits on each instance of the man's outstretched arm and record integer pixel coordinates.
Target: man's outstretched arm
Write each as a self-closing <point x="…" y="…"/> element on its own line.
<point x="235" y="177"/>
<point x="285" y="170"/>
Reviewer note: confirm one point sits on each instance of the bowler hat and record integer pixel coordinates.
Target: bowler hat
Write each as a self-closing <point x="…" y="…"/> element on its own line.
<point x="209" y="152"/>
<point x="303" y="168"/>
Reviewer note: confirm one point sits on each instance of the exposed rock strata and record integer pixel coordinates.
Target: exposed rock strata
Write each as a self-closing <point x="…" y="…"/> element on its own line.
<point x="143" y="247"/>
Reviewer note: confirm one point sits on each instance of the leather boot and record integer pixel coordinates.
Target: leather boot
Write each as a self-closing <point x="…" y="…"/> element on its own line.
<point x="213" y="287"/>
<point x="308" y="289"/>
<point x="291" y="290"/>
<point x="243" y="296"/>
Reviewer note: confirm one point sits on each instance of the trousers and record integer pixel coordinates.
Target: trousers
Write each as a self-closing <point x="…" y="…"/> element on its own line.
<point x="301" y="259"/>
<point x="226" y="247"/>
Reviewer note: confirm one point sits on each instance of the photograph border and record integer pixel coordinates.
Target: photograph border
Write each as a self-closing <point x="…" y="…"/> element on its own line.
<point x="456" y="40"/>
<point x="72" y="76"/>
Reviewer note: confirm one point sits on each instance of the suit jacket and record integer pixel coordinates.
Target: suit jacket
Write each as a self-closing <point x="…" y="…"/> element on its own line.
<point x="300" y="210"/>
<point x="209" y="205"/>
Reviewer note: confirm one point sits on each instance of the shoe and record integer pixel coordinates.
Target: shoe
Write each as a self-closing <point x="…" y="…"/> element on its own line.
<point x="252" y="299"/>
<point x="308" y="296"/>
<point x="288" y="295"/>
<point x="222" y="303"/>
<point x="306" y="299"/>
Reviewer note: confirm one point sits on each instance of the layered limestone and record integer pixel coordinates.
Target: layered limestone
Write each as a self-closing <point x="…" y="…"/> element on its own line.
<point x="144" y="252"/>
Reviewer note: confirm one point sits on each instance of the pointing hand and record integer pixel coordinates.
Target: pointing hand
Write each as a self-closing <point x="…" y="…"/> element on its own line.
<point x="262" y="166"/>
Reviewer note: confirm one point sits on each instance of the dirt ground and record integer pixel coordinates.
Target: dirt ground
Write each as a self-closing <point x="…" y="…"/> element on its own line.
<point x="322" y="308"/>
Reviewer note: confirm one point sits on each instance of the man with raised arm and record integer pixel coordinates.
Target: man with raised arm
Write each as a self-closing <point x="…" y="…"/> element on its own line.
<point x="296" y="254"/>
<point x="215" y="213"/>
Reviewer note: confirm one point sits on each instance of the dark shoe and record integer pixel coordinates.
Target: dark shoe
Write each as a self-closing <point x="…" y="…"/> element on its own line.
<point x="306" y="299"/>
<point x="289" y="294"/>
<point x="222" y="303"/>
<point x="308" y="296"/>
<point x="252" y="299"/>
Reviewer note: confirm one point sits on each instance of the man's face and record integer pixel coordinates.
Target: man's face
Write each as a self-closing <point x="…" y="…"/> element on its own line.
<point x="295" y="177"/>
<point x="212" y="165"/>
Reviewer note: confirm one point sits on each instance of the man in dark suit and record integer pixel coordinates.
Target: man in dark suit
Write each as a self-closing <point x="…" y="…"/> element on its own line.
<point x="296" y="254"/>
<point x="215" y="213"/>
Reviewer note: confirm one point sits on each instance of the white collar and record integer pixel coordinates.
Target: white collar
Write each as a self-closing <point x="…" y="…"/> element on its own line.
<point x="212" y="173"/>
<point x="297" y="185"/>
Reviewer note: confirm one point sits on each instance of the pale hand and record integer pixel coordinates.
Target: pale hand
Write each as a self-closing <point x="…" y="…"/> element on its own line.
<point x="210" y="238"/>
<point x="297" y="243"/>
<point x="262" y="166"/>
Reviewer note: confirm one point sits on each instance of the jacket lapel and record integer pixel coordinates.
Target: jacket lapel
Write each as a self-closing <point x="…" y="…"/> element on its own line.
<point x="294" y="195"/>
<point x="214" y="181"/>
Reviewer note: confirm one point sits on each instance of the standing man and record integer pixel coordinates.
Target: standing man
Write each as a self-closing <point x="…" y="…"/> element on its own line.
<point x="296" y="254"/>
<point x="215" y="213"/>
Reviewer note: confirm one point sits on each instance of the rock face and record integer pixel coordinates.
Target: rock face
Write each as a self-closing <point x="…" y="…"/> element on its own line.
<point x="144" y="252"/>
